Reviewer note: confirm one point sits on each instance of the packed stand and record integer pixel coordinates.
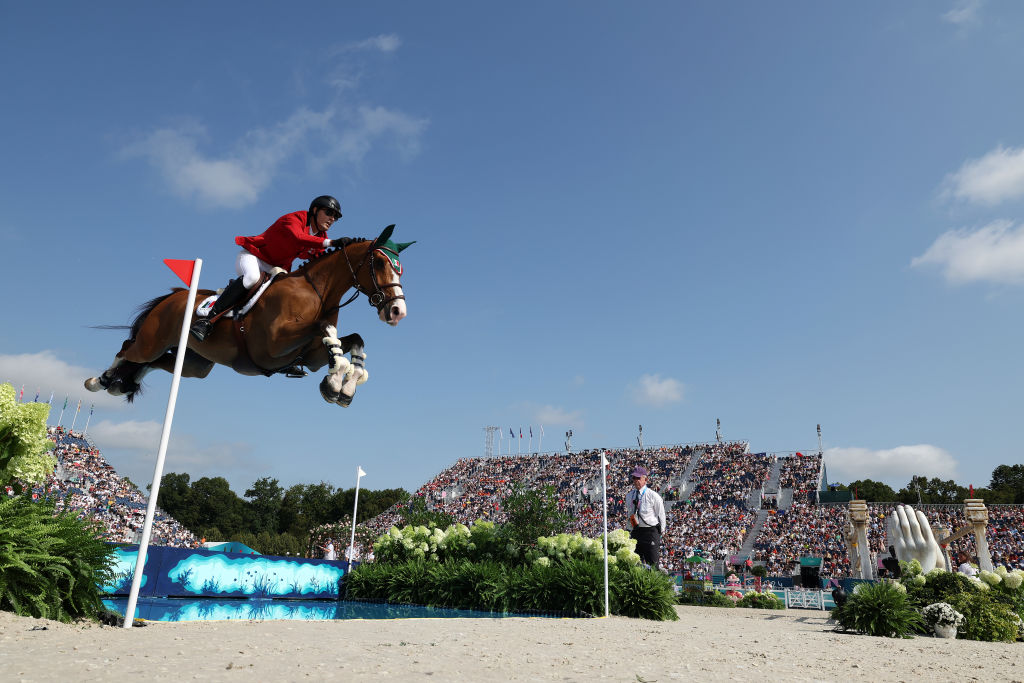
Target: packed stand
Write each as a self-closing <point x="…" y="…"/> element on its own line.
<point x="804" y="530"/>
<point x="85" y="482"/>
<point x="802" y="473"/>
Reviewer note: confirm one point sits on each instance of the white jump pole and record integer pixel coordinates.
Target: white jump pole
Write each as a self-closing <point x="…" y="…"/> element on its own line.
<point x="147" y="526"/>
<point x="604" y="492"/>
<point x="355" y="508"/>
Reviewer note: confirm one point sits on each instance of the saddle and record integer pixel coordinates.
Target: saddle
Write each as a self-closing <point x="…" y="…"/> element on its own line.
<point x="253" y="295"/>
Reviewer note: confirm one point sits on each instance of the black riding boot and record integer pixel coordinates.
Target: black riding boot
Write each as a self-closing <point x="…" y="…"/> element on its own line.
<point x="231" y="295"/>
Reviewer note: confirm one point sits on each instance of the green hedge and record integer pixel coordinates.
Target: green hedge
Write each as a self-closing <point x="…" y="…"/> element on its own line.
<point x="571" y="587"/>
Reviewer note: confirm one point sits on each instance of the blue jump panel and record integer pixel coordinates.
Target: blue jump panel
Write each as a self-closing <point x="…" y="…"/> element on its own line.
<point x="187" y="572"/>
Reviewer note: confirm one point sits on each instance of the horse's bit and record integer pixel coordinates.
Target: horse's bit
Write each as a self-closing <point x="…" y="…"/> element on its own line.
<point x="378" y="299"/>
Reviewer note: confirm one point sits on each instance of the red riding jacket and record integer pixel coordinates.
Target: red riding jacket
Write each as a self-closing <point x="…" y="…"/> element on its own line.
<point x="284" y="241"/>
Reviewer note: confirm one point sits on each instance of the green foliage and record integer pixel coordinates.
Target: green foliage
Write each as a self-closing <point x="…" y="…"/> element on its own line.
<point x="759" y="570"/>
<point x="756" y="600"/>
<point x="873" y="491"/>
<point x="984" y="618"/>
<point x="416" y="513"/>
<point x="532" y="513"/>
<point x="939" y="585"/>
<point x="879" y="609"/>
<point x="486" y="542"/>
<point x="24" y="447"/>
<point x="711" y="598"/>
<point x="573" y="586"/>
<point x="642" y="593"/>
<point x="50" y="566"/>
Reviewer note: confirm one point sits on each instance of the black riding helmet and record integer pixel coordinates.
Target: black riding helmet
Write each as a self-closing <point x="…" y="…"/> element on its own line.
<point x="324" y="201"/>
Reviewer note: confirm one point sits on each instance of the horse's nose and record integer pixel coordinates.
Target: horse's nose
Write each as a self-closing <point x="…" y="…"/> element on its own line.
<point x="397" y="313"/>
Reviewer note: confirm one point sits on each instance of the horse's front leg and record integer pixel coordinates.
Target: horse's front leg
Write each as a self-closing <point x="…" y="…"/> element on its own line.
<point x="343" y="374"/>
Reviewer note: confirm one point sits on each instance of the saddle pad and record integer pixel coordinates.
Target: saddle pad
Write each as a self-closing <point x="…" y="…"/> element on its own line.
<point x="204" y="308"/>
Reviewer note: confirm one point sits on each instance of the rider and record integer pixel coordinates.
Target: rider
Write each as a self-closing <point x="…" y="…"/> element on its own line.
<point x="302" y="234"/>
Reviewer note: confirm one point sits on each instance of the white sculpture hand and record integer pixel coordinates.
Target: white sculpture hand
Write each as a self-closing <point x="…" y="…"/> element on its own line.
<point x="911" y="535"/>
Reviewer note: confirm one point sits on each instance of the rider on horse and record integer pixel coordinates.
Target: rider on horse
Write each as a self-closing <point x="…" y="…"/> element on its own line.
<point x="301" y="234"/>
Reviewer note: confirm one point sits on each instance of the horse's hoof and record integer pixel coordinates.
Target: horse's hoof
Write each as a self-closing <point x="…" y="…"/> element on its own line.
<point x="344" y="401"/>
<point x="327" y="393"/>
<point x="93" y="384"/>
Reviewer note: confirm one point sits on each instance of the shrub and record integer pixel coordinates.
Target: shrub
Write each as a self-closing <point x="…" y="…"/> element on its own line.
<point x="571" y="587"/>
<point x="938" y="586"/>
<point x="764" y="600"/>
<point x="642" y="593"/>
<point x="717" y="599"/>
<point x="984" y="618"/>
<point x="24" y="448"/>
<point x="50" y="566"/>
<point x="879" y="609"/>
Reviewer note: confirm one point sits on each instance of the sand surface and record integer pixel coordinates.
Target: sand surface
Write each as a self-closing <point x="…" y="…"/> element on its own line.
<point x="707" y="644"/>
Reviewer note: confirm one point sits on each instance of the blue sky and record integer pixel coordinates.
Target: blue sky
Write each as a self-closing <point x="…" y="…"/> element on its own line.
<point x="773" y="214"/>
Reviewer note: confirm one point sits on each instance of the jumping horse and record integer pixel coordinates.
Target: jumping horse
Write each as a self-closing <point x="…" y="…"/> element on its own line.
<point x="292" y="324"/>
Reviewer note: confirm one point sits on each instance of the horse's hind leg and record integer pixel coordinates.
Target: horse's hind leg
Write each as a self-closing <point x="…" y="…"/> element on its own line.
<point x="194" y="365"/>
<point x="339" y="386"/>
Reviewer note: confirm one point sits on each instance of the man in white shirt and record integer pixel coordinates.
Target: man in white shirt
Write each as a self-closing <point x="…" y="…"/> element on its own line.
<point x="646" y="518"/>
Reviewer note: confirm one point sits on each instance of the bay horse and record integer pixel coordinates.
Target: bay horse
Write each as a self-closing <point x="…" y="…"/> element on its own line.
<point x="293" y="323"/>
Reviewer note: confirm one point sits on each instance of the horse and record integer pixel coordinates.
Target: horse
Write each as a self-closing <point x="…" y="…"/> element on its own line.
<point x="293" y="324"/>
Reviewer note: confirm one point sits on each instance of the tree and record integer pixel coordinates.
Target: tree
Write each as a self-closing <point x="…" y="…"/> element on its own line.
<point x="1009" y="481"/>
<point x="873" y="491"/>
<point x="532" y="513"/>
<point x="265" y="498"/>
<point x="214" y="504"/>
<point x="175" y="497"/>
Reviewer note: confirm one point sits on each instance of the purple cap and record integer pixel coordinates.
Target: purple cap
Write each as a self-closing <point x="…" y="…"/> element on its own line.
<point x="638" y="472"/>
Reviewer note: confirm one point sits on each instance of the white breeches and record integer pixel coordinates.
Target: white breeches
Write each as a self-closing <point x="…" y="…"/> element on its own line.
<point x="249" y="266"/>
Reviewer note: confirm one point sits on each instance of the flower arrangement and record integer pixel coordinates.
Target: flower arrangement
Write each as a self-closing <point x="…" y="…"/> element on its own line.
<point x="942" y="614"/>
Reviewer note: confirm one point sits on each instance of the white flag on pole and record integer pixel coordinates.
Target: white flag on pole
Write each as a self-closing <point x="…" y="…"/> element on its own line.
<point x="360" y="472"/>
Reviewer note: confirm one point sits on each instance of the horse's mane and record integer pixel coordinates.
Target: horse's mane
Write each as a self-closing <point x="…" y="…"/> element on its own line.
<point x="346" y="241"/>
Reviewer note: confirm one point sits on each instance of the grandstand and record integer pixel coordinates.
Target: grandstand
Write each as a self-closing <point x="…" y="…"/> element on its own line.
<point x="723" y="502"/>
<point x="84" y="481"/>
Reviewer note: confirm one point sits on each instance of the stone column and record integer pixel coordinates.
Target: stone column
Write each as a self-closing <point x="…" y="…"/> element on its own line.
<point x="859" y="516"/>
<point x="939" y="533"/>
<point x="852" y="548"/>
<point x="977" y="516"/>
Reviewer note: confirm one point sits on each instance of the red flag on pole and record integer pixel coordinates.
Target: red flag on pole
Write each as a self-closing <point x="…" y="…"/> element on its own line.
<point x="182" y="269"/>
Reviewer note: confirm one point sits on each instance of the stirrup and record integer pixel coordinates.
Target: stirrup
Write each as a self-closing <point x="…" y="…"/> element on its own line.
<point x="294" y="371"/>
<point x="200" y="328"/>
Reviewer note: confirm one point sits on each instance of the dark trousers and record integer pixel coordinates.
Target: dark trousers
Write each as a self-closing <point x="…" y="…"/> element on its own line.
<point x="648" y="544"/>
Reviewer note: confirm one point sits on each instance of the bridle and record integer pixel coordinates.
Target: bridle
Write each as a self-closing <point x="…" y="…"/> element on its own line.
<point x="378" y="299"/>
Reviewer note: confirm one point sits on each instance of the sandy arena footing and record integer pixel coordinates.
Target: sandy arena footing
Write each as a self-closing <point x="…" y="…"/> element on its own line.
<point x="706" y="644"/>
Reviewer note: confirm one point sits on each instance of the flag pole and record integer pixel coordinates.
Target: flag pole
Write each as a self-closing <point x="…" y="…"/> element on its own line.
<point x="77" y="411"/>
<point x="604" y="493"/>
<point x="88" y="420"/>
<point x="61" y="418"/>
<point x="540" y="440"/>
<point x="165" y="434"/>
<point x="355" y="508"/>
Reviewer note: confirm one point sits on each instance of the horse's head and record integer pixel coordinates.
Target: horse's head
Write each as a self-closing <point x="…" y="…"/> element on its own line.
<point x="378" y="276"/>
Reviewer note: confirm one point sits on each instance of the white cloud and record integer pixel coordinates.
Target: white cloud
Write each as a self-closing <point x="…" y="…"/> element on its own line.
<point x="237" y="177"/>
<point x="652" y="390"/>
<point x="964" y="12"/>
<point x="995" y="177"/>
<point x="385" y="42"/>
<point x="554" y="416"/>
<point x="132" y="448"/>
<point x="894" y="466"/>
<point x="44" y="372"/>
<point x="993" y="253"/>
